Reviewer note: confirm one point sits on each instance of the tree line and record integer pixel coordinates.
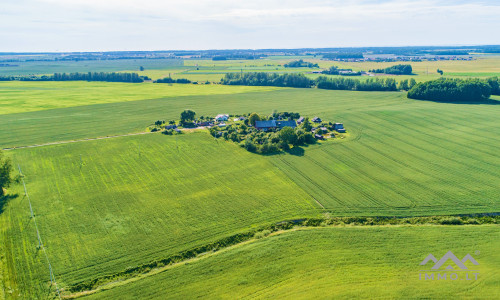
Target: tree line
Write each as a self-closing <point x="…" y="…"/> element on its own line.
<point x="267" y="79"/>
<point x="90" y="76"/>
<point x="300" y="64"/>
<point x="455" y="90"/>
<point x="395" y="70"/>
<point x="171" y="80"/>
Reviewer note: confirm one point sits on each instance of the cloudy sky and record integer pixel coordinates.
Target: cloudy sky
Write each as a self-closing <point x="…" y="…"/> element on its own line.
<point x="102" y="25"/>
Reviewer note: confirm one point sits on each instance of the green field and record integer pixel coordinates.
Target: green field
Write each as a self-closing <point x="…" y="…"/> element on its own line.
<point x="123" y="208"/>
<point x="19" y="96"/>
<point x="326" y="263"/>
<point x="107" y="206"/>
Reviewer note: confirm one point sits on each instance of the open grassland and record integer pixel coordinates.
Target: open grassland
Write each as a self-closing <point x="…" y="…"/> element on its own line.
<point x="137" y="200"/>
<point x="19" y="96"/>
<point x="324" y="263"/>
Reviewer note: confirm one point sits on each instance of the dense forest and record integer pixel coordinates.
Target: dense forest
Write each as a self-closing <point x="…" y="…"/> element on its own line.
<point x="300" y="64"/>
<point x="395" y="70"/>
<point x="454" y="90"/>
<point x="267" y="79"/>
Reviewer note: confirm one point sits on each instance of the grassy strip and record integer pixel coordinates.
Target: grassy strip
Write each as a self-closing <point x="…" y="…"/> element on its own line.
<point x="261" y="232"/>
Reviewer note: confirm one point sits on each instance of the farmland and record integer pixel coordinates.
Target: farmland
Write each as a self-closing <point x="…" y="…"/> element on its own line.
<point x="107" y="207"/>
<point x="175" y="194"/>
<point x="345" y="262"/>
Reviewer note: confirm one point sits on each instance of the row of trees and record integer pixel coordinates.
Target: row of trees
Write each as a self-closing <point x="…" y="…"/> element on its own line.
<point x="5" y="173"/>
<point x="267" y="79"/>
<point x="395" y="70"/>
<point x="171" y="80"/>
<point x="371" y="84"/>
<point x="90" y="76"/>
<point x="333" y="70"/>
<point x="453" y="90"/>
<point x="300" y="64"/>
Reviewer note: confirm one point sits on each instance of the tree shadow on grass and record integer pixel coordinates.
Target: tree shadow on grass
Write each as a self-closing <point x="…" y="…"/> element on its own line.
<point x="5" y="199"/>
<point x="297" y="151"/>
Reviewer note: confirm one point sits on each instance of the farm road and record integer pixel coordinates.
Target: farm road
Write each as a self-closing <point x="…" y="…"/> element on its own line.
<point x="92" y="139"/>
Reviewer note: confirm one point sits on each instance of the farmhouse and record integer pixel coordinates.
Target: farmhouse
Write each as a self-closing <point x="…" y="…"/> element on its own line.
<point x="300" y="120"/>
<point x="222" y="117"/>
<point x="205" y="123"/>
<point x="274" y="124"/>
<point x="170" y="126"/>
<point x="317" y="120"/>
<point x="339" y="127"/>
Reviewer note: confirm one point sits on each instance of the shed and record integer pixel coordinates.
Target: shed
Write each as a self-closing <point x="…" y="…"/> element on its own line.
<point x="319" y="136"/>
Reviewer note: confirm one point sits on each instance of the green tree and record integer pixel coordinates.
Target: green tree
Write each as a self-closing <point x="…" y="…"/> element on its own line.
<point x="253" y="117"/>
<point x="5" y="171"/>
<point x="188" y="115"/>
<point x="288" y="135"/>
<point x="306" y="125"/>
<point x="412" y="83"/>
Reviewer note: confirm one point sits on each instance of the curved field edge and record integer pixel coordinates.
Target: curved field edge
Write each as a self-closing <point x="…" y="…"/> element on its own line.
<point x="300" y="260"/>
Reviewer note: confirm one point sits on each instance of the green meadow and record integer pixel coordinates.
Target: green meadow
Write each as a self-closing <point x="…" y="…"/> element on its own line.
<point x="325" y="263"/>
<point x="106" y="207"/>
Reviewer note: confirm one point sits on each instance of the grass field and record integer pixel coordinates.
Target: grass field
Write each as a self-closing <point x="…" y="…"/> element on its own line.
<point x="18" y="96"/>
<point x="125" y="208"/>
<point x="325" y="263"/>
<point x="142" y="198"/>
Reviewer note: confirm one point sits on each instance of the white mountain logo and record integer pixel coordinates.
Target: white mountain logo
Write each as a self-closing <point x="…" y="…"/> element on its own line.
<point x="446" y="257"/>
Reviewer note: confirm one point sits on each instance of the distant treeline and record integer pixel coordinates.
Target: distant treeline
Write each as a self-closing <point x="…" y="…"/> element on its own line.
<point x="300" y="64"/>
<point x="323" y="82"/>
<point x="395" y="70"/>
<point x="235" y="56"/>
<point x="267" y="79"/>
<point x="455" y="90"/>
<point x="371" y="84"/>
<point x="90" y="76"/>
<point x="171" y="80"/>
<point x="449" y="52"/>
<point x="343" y="55"/>
<point x="333" y="70"/>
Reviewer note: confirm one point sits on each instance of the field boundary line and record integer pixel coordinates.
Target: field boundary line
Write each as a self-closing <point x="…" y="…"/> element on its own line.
<point x="40" y="242"/>
<point x="76" y="141"/>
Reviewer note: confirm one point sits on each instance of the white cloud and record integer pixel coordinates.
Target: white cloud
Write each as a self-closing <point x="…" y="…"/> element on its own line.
<point x="154" y="24"/>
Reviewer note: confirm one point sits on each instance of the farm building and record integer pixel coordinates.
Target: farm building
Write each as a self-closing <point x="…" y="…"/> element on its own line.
<point x="170" y="126"/>
<point x="338" y="126"/>
<point x="222" y="117"/>
<point x="206" y="123"/>
<point x="317" y="120"/>
<point x="319" y="137"/>
<point x="341" y="130"/>
<point x="300" y="120"/>
<point x="274" y="124"/>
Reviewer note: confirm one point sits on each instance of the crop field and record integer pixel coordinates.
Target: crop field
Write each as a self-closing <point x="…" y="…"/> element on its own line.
<point x="107" y="205"/>
<point x="19" y="96"/>
<point x="349" y="262"/>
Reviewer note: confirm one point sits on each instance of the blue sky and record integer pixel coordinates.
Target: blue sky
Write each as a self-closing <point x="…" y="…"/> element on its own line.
<point x="103" y="25"/>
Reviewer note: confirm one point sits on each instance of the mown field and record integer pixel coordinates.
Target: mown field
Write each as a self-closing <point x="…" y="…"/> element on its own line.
<point x="18" y="96"/>
<point x="136" y="200"/>
<point x="325" y="263"/>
